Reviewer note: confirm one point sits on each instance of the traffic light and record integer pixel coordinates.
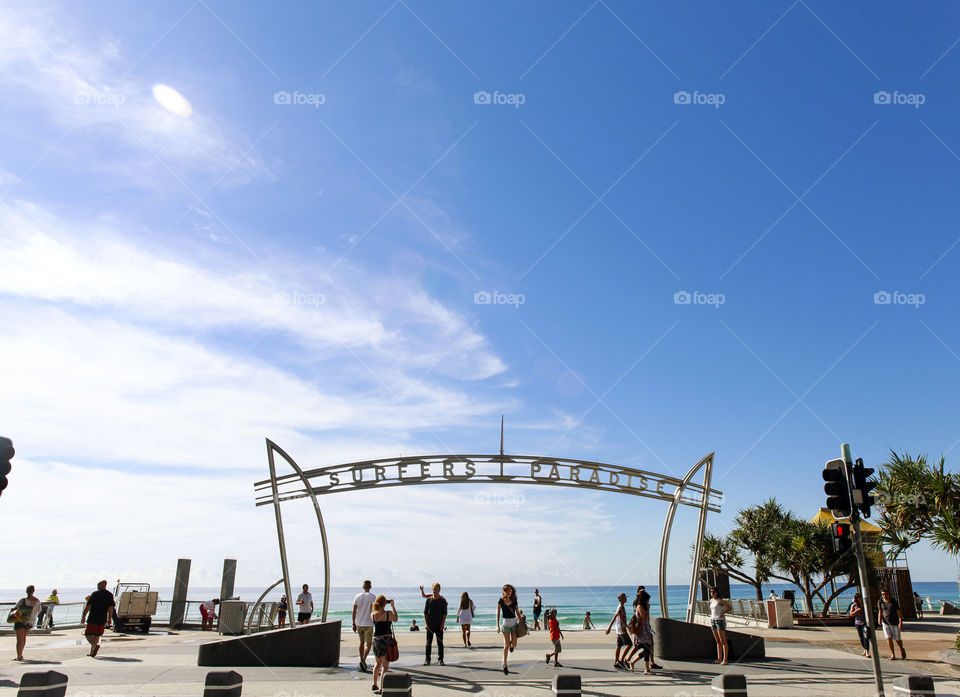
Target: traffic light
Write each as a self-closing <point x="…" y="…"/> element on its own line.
<point x="861" y="488"/>
<point x="842" y="541"/>
<point x="838" y="494"/>
<point x="6" y="454"/>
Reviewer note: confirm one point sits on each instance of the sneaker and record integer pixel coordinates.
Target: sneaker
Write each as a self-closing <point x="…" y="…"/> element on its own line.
<point x="363" y="667"/>
<point x="426" y="662"/>
<point x="511" y="649"/>
<point x="440" y="662"/>
<point x="505" y="671"/>
<point x="654" y="665"/>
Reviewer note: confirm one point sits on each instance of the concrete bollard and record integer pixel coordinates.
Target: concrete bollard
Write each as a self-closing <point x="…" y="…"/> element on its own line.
<point x="50" y="683"/>
<point x="730" y="684"/>
<point x="913" y="686"/>
<point x="566" y="685"/>
<point x="396" y="685"/>
<point x="223" y="683"/>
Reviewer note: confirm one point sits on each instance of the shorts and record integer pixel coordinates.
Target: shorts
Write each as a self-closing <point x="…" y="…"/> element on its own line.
<point x="510" y="624"/>
<point x="282" y="614"/>
<point x="94" y="630"/>
<point x="891" y="631"/>
<point x="624" y="640"/>
<point x="22" y="625"/>
<point x="366" y="634"/>
<point x="379" y="645"/>
<point x="536" y="614"/>
<point x="718" y="625"/>
<point x="303" y="616"/>
<point x="556" y="645"/>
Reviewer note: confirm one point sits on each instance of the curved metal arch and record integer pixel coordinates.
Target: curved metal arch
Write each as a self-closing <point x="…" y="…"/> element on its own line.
<point x="706" y="462"/>
<point x="256" y="605"/>
<point x="271" y="447"/>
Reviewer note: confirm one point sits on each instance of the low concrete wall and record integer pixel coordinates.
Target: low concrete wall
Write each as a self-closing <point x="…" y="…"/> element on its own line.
<point x="673" y="639"/>
<point x="315" y="645"/>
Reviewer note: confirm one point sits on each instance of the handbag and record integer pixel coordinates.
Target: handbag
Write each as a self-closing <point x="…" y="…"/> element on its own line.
<point x="17" y="614"/>
<point x="522" y="627"/>
<point x="393" y="649"/>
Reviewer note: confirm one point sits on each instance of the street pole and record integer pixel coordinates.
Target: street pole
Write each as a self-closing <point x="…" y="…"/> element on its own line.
<point x="863" y="573"/>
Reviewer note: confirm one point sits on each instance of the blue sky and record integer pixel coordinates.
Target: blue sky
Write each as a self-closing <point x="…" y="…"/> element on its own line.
<point x="300" y="257"/>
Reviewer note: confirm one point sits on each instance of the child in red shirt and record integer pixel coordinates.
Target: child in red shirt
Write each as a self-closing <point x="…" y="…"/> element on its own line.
<point x="555" y="636"/>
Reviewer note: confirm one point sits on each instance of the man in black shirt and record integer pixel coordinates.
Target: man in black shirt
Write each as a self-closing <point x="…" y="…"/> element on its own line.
<point x="891" y="619"/>
<point x="435" y="617"/>
<point x="96" y="614"/>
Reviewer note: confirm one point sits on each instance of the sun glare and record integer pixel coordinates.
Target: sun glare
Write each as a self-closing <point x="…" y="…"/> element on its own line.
<point x="171" y="100"/>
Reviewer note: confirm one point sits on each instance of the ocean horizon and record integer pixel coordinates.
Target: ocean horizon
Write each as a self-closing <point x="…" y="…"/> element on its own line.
<point x="572" y="602"/>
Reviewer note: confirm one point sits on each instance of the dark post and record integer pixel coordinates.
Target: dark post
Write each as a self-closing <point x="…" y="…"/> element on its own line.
<point x="914" y="686"/>
<point x="228" y="578"/>
<point x="730" y="685"/>
<point x="397" y="685"/>
<point x="567" y="685"/>
<point x="47" y="684"/>
<point x="178" y="608"/>
<point x="223" y="683"/>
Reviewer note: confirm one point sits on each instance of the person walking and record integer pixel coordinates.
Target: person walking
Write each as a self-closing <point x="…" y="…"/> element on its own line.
<point x="719" y="607"/>
<point x="508" y="610"/>
<point x="891" y="619"/>
<point x="555" y="636"/>
<point x="641" y="607"/>
<point x="465" y="614"/>
<point x="96" y="615"/>
<point x="363" y="622"/>
<point x="435" y="618"/>
<point x="282" y="612"/>
<point x="860" y="622"/>
<point x="383" y="620"/>
<point x="537" y="608"/>
<point x="642" y="639"/>
<point x="917" y="603"/>
<point x="25" y="613"/>
<point x="304" y="605"/>
<point x="619" y="622"/>
<point x="208" y="613"/>
<point x="588" y="621"/>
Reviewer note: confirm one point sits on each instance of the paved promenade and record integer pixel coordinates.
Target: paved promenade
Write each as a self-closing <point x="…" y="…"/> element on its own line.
<point x="165" y="664"/>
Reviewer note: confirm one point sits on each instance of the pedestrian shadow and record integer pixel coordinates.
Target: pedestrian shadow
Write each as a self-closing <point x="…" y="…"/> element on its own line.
<point x="38" y="662"/>
<point x="120" y="659"/>
<point x="8" y="683"/>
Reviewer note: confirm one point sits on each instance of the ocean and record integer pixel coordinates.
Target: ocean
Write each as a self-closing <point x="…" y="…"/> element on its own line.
<point x="572" y="602"/>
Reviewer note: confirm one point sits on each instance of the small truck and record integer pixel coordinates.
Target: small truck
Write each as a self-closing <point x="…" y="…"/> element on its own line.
<point x="136" y="606"/>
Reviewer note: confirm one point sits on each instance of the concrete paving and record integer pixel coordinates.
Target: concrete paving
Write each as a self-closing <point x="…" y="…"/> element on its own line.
<point x="165" y="664"/>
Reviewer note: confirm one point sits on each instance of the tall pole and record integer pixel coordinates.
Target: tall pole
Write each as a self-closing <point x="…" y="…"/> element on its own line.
<point x="501" y="435"/>
<point x="283" y="546"/>
<point x="863" y="573"/>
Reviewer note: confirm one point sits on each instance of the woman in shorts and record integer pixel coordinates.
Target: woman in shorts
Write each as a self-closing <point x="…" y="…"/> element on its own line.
<point x="719" y="607"/>
<point x="27" y="608"/>
<point x="507" y="609"/>
<point x="465" y="615"/>
<point x="383" y="620"/>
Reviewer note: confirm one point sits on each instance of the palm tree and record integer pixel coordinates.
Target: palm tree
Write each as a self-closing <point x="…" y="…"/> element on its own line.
<point x="918" y="501"/>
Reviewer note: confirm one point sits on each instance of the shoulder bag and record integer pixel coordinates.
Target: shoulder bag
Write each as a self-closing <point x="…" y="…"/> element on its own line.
<point x="393" y="650"/>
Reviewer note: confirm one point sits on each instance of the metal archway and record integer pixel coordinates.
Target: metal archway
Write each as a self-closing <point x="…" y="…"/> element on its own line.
<point x="490" y="469"/>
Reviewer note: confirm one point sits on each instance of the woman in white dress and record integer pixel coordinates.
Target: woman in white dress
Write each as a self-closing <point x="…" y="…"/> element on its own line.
<point x="465" y="617"/>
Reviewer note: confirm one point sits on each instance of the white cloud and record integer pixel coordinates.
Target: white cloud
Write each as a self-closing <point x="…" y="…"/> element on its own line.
<point x="83" y="84"/>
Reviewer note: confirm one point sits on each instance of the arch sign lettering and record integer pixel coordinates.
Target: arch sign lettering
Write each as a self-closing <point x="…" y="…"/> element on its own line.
<point x="489" y="469"/>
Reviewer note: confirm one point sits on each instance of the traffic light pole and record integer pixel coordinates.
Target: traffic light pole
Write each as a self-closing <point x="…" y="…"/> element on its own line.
<point x="864" y="577"/>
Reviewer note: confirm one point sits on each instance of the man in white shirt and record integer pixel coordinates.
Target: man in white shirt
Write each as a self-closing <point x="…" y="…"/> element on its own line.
<point x="363" y="621"/>
<point x="305" y="604"/>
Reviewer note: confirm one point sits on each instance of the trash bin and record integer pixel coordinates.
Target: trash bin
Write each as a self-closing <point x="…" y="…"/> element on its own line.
<point x="233" y="616"/>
